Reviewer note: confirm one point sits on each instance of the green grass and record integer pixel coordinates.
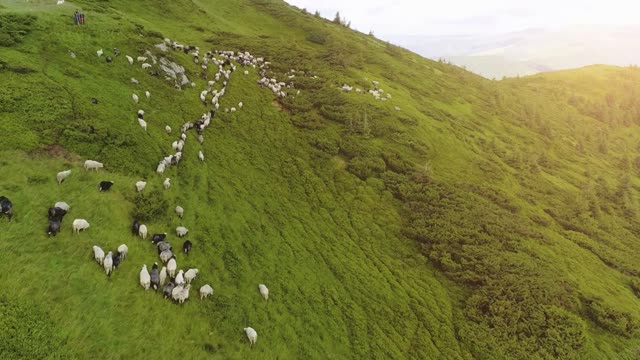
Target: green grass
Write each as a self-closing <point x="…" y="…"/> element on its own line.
<point x="491" y="220"/>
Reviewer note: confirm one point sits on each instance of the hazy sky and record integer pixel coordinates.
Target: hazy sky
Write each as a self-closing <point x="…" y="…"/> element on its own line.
<point x="420" y="17"/>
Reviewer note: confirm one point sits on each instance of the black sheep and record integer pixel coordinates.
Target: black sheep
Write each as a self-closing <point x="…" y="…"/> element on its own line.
<point x="155" y="277"/>
<point x="135" y="227"/>
<point x="105" y="185"/>
<point x="54" y="227"/>
<point x="116" y="258"/>
<point x="6" y="207"/>
<point x="168" y="289"/>
<point x="156" y="238"/>
<point x="56" y="213"/>
<point x="186" y="247"/>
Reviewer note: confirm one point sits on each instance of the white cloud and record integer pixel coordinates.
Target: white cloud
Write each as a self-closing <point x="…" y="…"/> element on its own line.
<point x="415" y="17"/>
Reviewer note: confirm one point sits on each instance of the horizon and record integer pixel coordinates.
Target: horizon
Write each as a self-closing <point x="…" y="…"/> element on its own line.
<point x="464" y="17"/>
<point x="496" y="38"/>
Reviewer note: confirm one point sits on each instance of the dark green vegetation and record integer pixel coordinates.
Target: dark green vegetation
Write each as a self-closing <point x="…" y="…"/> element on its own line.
<point x="484" y="220"/>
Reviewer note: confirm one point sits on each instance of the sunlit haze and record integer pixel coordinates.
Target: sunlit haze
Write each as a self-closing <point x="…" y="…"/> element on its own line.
<point x="411" y="17"/>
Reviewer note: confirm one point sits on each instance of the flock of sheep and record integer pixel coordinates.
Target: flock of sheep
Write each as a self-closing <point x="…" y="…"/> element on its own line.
<point x="376" y="92"/>
<point x="175" y="283"/>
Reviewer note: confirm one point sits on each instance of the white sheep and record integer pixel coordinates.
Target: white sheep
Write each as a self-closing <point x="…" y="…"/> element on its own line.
<point x="134" y="81"/>
<point x="179" y="211"/>
<point x="143" y="124"/>
<point x="140" y="185"/>
<point x="60" y="2"/>
<point x="190" y="275"/>
<point x="142" y="231"/>
<point x="205" y="291"/>
<point x="108" y="263"/>
<point x="240" y="105"/>
<point x="129" y="59"/>
<point x="180" y="278"/>
<point x="174" y="145"/>
<point x="264" y="291"/>
<point x="135" y="98"/>
<point x="163" y="275"/>
<point x="167" y="183"/>
<point x="252" y="335"/>
<point x="160" y="169"/>
<point x="183" y="137"/>
<point x="246" y="72"/>
<point x="200" y="139"/>
<point x="79" y="225"/>
<point x="182" y="294"/>
<point x="91" y="164"/>
<point x="62" y="205"/>
<point x="123" y="250"/>
<point x="167" y="129"/>
<point x="181" y="231"/>
<point x="200" y="155"/>
<point x="396" y="108"/>
<point x="62" y="175"/>
<point x="98" y="254"/>
<point x="233" y="109"/>
<point x="99" y="52"/>
<point x="147" y="94"/>
<point x="145" y="278"/>
<point x="141" y="58"/>
<point x="165" y="256"/>
<point x="175" y="292"/>
<point x="171" y="267"/>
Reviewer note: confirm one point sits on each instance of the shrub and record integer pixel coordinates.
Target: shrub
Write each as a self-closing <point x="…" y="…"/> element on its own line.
<point x="151" y="205"/>
<point x="635" y="286"/>
<point x="396" y="163"/>
<point x="311" y="121"/>
<point x="6" y="40"/>
<point x="365" y="167"/>
<point x="317" y="37"/>
<point x="326" y="144"/>
<point x="618" y="322"/>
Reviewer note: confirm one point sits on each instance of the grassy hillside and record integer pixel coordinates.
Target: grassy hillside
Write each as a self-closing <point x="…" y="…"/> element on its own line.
<point x="482" y="220"/>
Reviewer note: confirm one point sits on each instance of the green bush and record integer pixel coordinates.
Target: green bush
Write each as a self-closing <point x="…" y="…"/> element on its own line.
<point x="365" y="167"/>
<point x="635" y="286"/>
<point x="6" y="40"/>
<point x="148" y="206"/>
<point x="317" y="37"/>
<point x="13" y="27"/>
<point x="326" y="144"/>
<point x="610" y="319"/>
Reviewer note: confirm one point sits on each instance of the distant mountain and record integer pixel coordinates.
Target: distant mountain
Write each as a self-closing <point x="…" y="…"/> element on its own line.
<point x="532" y="51"/>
